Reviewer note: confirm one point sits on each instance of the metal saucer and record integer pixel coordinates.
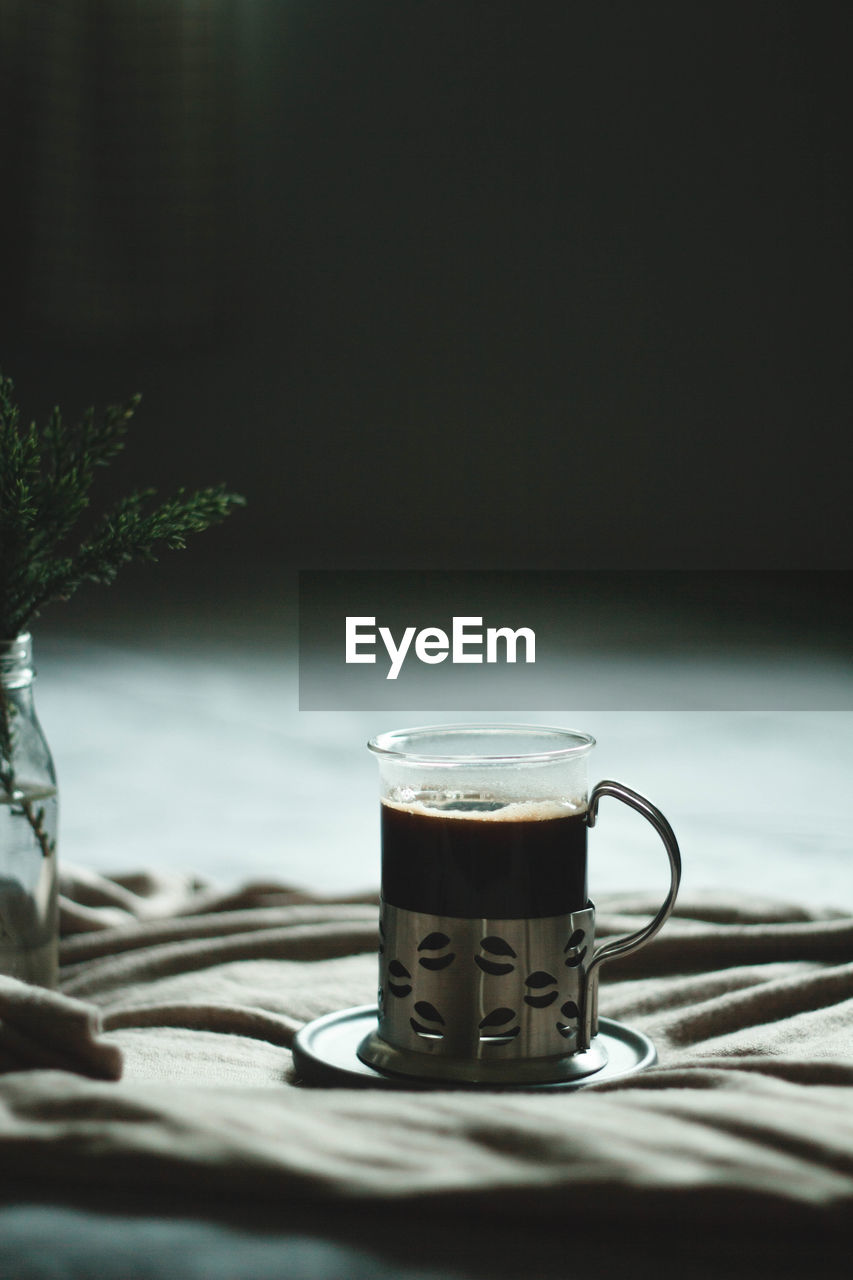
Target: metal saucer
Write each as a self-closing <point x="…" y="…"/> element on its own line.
<point x="325" y="1052"/>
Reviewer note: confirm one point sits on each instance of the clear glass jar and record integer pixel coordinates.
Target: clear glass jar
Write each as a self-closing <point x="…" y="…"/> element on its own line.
<point x="28" y="820"/>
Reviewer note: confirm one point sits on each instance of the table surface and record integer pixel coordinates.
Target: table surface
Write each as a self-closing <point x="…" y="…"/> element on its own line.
<point x="187" y="750"/>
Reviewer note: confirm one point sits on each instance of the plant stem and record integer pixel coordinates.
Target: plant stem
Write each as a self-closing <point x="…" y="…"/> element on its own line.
<point x="35" y="817"/>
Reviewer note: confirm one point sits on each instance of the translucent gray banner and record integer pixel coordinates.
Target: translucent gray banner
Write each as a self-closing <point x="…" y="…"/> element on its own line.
<point x="460" y="640"/>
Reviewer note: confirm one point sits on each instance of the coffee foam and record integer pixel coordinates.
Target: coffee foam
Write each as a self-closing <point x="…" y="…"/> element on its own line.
<point x="534" y="781"/>
<point x="511" y="811"/>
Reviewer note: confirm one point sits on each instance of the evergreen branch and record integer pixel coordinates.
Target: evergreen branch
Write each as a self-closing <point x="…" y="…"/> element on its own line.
<point x="129" y="533"/>
<point x="89" y="443"/>
<point x="71" y="458"/>
<point x="45" y="479"/>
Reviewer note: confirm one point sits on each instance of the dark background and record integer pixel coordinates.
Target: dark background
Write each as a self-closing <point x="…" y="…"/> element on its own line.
<point x="446" y="284"/>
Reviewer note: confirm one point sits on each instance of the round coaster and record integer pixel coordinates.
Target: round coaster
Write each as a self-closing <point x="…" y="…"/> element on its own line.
<point x="325" y="1052"/>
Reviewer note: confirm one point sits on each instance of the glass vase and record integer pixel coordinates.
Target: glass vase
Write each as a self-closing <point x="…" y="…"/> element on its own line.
<point x="28" y="819"/>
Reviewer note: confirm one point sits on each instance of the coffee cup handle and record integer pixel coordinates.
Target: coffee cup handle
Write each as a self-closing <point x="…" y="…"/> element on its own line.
<point x="633" y="941"/>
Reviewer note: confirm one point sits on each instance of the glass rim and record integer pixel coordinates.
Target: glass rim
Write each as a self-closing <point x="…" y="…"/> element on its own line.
<point x="387" y="745"/>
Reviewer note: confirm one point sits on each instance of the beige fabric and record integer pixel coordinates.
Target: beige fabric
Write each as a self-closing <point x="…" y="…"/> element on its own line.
<point x="748" y="1117"/>
<point x="41" y="1028"/>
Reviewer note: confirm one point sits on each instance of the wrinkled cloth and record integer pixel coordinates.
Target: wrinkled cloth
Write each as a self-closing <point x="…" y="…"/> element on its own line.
<point x="40" y="1028"/>
<point x="747" y="1118"/>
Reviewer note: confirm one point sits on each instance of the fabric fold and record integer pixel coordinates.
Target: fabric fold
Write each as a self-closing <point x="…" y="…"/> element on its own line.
<point x="40" y="1028"/>
<point x="747" y="1116"/>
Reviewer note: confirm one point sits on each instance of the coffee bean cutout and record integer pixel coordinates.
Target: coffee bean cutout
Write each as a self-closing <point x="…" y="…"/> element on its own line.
<point x="568" y="1010"/>
<point x="498" y="1018"/>
<point x="424" y="1009"/>
<point x="496" y="947"/>
<point x="489" y="966"/>
<point x="540" y="979"/>
<point x="573" y="945"/>
<point x="402" y="988"/>
<point x="428" y="1013"/>
<point x="494" y="1029"/>
<point x="541" y="1002"/>
<point x="435" y="942"/>
<point x="535" y="982"/>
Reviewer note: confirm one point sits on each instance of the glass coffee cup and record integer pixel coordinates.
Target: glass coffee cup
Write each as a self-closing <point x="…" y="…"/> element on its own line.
<point x="488" y="968"/>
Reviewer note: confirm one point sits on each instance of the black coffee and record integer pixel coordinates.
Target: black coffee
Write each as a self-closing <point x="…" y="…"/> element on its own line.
<point x="448" y="863"/>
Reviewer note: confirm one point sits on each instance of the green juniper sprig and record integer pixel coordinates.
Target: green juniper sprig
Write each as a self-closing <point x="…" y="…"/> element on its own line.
<point x="21" y="804"/>
<point x="45" y="479"/>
